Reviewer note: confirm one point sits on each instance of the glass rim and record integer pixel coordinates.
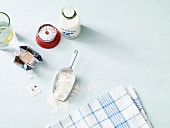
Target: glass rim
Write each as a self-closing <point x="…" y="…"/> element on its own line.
<point x="8" y="21"/>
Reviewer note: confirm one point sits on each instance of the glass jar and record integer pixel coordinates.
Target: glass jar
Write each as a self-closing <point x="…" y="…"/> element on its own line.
<point x="6" y="31"/>
<point x="69" y="22"/>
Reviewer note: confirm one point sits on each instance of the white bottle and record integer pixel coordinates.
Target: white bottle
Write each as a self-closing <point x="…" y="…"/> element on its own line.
<point x="69" y="22"/>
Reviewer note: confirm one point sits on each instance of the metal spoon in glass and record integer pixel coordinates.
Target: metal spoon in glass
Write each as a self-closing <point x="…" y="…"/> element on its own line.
<point x="65" y="80"/>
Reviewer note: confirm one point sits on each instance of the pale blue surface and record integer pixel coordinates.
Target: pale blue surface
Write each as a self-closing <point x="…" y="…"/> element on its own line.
<point x="123" y="42"/>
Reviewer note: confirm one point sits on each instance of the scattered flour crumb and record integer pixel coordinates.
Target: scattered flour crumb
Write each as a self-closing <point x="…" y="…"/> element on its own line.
<point x="95" y="86"/>
<point x="57" y="105"/>
<point x="90" y="92"/>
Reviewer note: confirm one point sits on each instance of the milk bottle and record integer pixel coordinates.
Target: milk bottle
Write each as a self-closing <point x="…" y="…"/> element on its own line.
<point x="69" y="22"/>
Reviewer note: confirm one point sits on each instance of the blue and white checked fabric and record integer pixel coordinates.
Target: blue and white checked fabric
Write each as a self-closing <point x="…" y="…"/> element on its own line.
<point x="120" y="108"/>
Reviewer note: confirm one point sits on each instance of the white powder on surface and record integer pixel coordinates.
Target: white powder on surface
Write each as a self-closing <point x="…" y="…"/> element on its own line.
<point x="78" y="92"/>
<point x="57" y="105"/>
<point x="92" y="86"/>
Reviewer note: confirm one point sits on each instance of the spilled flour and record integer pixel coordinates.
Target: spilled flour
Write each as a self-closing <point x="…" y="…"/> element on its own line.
<point x="94" y="87"/>
<point x="57" y="105"/>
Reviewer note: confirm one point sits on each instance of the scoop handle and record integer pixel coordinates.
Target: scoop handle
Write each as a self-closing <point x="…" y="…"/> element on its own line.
<point x="74" y="55"/>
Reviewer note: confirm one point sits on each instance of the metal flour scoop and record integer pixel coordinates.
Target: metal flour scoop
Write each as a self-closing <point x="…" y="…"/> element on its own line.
<point x="64" y="81"/>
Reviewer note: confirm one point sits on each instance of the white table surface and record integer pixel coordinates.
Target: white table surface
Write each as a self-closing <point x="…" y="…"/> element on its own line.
<point x="122" y="42"/>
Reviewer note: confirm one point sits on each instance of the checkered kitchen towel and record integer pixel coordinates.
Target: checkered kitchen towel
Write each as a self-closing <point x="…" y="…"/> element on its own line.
<point x="120" y="108"/>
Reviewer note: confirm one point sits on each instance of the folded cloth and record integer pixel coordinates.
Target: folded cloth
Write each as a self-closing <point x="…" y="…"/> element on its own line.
<point x="120" y="108"/>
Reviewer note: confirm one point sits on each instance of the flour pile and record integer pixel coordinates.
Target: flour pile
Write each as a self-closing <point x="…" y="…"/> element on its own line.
<point x="57" y="105"/>
<point x="93" y="88"/>
<point x="63" y="84"/>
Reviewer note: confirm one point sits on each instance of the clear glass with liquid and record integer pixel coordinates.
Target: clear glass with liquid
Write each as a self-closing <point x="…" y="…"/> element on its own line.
<point x="7" y="35"/>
